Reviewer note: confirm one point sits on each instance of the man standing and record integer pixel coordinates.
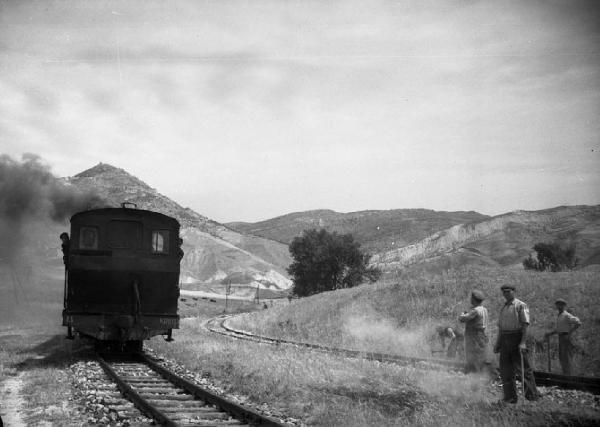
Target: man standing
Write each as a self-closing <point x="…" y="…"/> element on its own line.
<point x="513" y="322"/>
<point x="566" y="324"/>
<point x="476" y="339"/>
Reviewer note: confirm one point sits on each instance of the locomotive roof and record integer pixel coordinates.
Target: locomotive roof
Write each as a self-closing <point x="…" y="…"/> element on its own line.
<point x="125" y="212"/>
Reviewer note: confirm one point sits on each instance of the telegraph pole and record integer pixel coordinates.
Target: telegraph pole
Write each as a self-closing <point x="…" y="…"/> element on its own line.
<point x="227" y="292"/>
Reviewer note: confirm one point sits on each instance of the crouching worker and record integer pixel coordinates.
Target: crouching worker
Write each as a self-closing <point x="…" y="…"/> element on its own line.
<point x="476" y="339"/>
<point x="513" y="322"/>
<point x="456" y="341"/>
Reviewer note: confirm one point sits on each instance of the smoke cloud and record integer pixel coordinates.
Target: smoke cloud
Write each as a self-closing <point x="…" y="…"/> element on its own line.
<point x="29" y="194"/>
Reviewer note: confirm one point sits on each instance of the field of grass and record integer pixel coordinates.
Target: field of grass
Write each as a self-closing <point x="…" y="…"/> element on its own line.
<point x="327" y="390"/>
<point x="400" y="315"/>
<point x="318" y="389"/>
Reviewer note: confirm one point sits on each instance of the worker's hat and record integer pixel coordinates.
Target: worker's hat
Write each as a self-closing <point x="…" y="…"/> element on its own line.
<point x="560" y="301"/>
<point x="511" y="287"/>
<point x="477" y="294"/>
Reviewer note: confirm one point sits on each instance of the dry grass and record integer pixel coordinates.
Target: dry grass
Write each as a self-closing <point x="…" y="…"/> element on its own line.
<point x="319" y="388"/>
<point x="400" y="315"/>
<point x="46" y="394"/>
<point x="324" y="390"/>
<point x="327" y="390"/>
<point x="39" y="358"/>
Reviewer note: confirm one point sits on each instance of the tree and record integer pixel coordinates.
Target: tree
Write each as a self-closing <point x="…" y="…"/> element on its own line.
<point x="326" y="261"/>
<point x="551" y="257"/>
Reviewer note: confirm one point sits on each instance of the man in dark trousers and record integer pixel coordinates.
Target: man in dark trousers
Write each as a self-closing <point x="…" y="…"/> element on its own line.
<point x="513" y="322"/>
<point x="65" y="243"/>
<point x="566" y="324"/>
<point x="476" y="339"/>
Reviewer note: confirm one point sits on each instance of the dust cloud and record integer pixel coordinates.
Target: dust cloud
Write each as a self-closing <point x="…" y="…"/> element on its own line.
<point x="372" y="332"/>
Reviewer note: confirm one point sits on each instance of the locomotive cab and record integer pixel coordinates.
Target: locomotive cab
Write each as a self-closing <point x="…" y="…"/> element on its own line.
<point x="122" y="275"/>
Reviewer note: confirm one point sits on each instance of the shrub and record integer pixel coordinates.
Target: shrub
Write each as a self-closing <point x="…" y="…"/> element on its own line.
<point x="551" y="257"/>
<point x="326" y="261"/>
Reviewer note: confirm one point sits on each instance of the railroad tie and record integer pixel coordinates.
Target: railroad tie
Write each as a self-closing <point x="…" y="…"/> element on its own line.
<point x="158" y="390"/>
<point x="179" y="397"/>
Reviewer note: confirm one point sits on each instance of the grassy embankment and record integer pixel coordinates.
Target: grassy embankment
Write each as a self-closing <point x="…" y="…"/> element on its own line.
<point x="400" y="316"/>
<point x="328" y="390"/>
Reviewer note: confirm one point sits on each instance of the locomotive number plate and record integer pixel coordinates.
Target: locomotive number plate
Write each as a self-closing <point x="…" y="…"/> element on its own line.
<point x="168" y="322"/>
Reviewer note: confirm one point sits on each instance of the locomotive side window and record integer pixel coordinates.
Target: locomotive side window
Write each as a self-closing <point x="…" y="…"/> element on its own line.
<point x="160" y="241"/>
<point x="88" y="238"/>
<point x="124" y="234"/>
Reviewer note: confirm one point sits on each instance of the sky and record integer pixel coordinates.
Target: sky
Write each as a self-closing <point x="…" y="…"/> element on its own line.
<point x="247" y="110"/>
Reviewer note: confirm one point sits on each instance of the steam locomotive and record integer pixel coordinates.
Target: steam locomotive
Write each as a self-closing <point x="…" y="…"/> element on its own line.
<point x="121" y="276"/>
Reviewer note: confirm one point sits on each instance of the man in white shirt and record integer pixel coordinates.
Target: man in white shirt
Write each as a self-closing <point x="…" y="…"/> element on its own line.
<point x="565" y="325"/>
<point x="513" y="322"/>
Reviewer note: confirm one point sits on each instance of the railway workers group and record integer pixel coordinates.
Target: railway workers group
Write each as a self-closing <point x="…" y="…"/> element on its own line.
<point x="510" y="344"/>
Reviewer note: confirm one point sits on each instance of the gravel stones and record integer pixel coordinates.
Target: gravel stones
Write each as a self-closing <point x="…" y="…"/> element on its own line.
<point x="101" y="399"/>
<point x="263" y="408"/>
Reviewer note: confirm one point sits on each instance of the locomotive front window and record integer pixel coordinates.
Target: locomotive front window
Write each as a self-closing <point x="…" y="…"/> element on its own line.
<point x="88" y="238"/>
<point x="124" y="234"/>
<point x="160" y="241"/>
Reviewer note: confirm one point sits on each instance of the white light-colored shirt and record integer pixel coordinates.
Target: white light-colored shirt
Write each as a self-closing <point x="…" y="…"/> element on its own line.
<point x="476" y="318"/>
<point x="513" y="316"/>
<point x="565" y="321"/>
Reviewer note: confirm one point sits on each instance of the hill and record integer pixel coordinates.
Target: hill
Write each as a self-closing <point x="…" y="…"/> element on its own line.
<point x="213" y="252"/>
<point x="400" y="315"/>
<point x="436" y="241"/>
<point x="376" y="230"/>
<point x="504" y="240"/>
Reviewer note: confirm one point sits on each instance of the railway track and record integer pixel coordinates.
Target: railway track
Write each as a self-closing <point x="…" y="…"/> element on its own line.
<point x="548" y="379"/>
<point x="172" y="400"/>
<point x="218" y="325"/>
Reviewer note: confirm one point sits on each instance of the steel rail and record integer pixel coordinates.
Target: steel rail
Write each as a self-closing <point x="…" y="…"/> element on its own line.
<point x="589" y="384"/>
<point x="129" y="393"/>
<point x="380" y="357"/>
<point x="239" y="412"/>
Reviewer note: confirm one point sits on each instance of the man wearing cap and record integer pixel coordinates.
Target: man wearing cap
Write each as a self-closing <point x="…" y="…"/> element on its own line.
<point x="513" y="322"/>
<point x="566" y="324"/>
<point x="476" y="339"/>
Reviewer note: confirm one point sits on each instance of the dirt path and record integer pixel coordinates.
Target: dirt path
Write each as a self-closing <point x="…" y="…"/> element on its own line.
<point x="11" y="402"/>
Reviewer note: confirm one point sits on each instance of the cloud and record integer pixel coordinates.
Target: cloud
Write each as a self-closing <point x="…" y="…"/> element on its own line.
<point x="298" y="94"/>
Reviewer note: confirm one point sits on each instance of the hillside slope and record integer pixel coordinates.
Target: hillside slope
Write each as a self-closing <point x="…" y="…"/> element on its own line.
<point x="504" y="240"/>
<point x="400" y="316"/>
<point x="213" y="253"/>
<point x="376" y="230"/>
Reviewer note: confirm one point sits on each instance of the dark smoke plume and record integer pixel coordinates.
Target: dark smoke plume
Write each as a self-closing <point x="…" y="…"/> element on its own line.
<point x="30" y="193"/>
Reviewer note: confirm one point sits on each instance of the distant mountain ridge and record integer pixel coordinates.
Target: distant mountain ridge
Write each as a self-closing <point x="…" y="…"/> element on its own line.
<point x="250" y="255"/>
<point x="213" y="252"/>
<point x="504" y="240"/>
<point x="403" y="238"/>
<point x="376" y="230"/>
